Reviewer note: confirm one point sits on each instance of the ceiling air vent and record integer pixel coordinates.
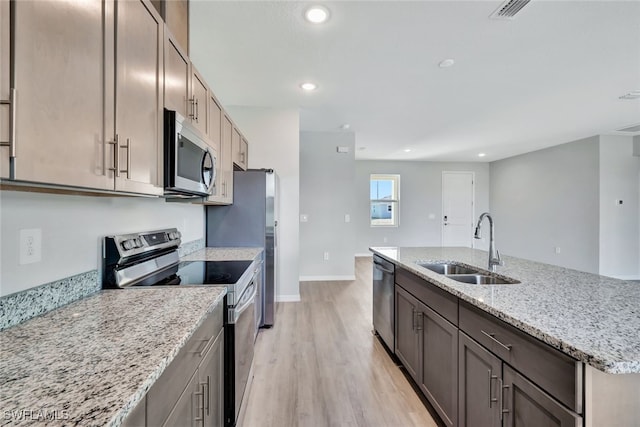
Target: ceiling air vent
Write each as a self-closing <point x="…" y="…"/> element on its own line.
<point x="509" y="9"/>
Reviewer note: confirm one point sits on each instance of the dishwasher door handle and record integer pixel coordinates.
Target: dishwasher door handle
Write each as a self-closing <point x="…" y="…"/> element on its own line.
<point x="381" y="267"/>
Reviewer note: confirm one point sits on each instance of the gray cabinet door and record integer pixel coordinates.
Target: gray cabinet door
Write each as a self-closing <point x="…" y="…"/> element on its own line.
<point x="137" y="417"/>
<point x="407" y="334"/>
<point x="58" y="68"/>
<point x="176" y="77"/>
<point x="188" y="410"/>
<point x="211" y="375"/>
<point x="5" y="107"/>
<point x="439" y="358"/>
<point x="526" y="405"/>
<point x="199" y="102"/>
<point x="479" y="373"/>
<point x="138" y="96"/>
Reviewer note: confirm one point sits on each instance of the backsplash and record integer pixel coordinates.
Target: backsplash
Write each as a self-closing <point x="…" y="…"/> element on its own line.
<point x="21" y="306"/>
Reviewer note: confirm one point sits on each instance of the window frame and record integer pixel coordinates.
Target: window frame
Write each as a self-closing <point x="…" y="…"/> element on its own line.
<point x="395" y="215"/>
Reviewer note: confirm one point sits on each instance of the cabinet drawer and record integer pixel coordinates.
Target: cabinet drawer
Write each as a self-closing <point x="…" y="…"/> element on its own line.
<point x="442" y="302"/>
<point x="163" y="395"/>
<point x="555" y="372"/>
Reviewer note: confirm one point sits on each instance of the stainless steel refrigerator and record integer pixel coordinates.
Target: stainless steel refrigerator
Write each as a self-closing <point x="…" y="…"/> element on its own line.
<point x="251" y="221"/>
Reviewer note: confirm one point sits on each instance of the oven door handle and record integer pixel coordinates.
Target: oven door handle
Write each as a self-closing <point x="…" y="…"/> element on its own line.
<point x="245" y="301"/>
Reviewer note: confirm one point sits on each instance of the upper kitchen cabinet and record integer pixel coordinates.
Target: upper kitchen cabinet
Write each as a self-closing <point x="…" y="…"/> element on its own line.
<point x="226" y="161"/>
<point x="240" y="150"/>
<point x="199" y="102"/>
<point x="59" y="59"/>
<point x="177" y="75"/>
<point x="137" y="128"/>
<point x="176" y="15"/>
<point x="86" y="82"/>
<point x="5" y="84"/>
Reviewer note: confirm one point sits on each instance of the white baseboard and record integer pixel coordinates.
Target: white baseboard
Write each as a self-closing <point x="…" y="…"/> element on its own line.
<point x="326" y="278"/>
<point x="288" y="298"/>
<point x="367" y="254"/>
<point x="632" y="277"/>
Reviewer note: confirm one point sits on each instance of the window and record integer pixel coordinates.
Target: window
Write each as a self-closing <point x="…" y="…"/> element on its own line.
<point x="384" y="194"/>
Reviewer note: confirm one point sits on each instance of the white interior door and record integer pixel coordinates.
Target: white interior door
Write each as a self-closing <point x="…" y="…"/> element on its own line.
<point x="457" y="208"/>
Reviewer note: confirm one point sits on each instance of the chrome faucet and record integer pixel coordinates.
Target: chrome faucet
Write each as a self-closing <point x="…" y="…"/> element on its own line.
<point x="494" y="254"/>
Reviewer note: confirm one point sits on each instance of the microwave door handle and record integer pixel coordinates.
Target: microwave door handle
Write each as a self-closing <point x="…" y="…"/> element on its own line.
<point x="208" y="181"/>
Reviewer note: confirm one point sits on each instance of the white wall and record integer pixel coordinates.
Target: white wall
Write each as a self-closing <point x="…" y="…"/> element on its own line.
<point x="327" y="188"/>
<point x="73" y="228"/>
<point x="619" y="224"/>
<point x="274" y="136"/>
<point x="420" y="195"/>
<point x="548" y="199"/>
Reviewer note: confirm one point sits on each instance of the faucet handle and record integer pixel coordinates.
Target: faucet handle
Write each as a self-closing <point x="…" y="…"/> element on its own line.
<point x="499" y="260"/>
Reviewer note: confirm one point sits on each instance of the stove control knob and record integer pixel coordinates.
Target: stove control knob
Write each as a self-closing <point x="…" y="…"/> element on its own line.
<point x="178" y="235"/>
<point x="128" y="244"/>
<point x="137" y="242"/>
<point x="172" y="236"/>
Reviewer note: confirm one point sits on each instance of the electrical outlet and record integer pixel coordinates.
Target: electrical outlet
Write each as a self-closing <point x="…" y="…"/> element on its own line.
<point x="347" y="218"/>
<point x="384" y="239"/>
<point x="326" y="256"/>
<point x="557" y="249"/>
<point x="30" y="246"/>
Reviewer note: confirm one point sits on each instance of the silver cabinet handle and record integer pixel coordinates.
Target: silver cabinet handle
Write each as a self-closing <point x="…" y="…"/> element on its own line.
<point x="493" y="338"/>
<point x="127" y="147"/>
<point x="199" y="395"/>
<point x="208" y="394"/>
<point x="243" y="156"/>
<point x="193" y="108"/>
<point x="419" y="324"/>
<point x="492" y="399"/>
<point x="116" y="155"/>
<point x="197" y="111"/>
<point x="503" y="387"/>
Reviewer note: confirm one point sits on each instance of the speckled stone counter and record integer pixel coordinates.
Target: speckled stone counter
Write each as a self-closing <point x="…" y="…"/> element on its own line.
<point x="224" y="254"/>
<point x="90" y="363"/>
<point x="592" y="318"/>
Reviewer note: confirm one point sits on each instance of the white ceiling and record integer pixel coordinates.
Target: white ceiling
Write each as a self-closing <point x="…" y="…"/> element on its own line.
<point x="552" y="75"/>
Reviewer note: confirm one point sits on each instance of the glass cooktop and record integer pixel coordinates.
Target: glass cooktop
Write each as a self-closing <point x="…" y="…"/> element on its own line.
<point x="206" y="273"/>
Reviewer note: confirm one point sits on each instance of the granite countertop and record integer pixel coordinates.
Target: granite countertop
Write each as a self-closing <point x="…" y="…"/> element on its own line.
<point x="592" y="318"/>
<point x="91" y="362"/>
<point x="224" y="254"/>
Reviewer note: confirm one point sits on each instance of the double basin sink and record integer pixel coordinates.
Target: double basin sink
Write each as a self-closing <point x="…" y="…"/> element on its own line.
<point x="464" y="274"/>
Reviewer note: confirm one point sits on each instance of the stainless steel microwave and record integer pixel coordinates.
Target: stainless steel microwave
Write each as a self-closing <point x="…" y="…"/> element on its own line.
<point x="189" y="163"/>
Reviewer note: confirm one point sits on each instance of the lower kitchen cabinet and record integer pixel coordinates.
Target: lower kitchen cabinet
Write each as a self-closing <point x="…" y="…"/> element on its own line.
<point x="480" y="374"/>
<point x="427" y="346"/>
<point x="407" y="337"/>
<point x="191" y="389"/>
<point x="211" y="375"/>
<point x="476" y="370"/>
<point x="439" y="380"/>
<point x="526" y="405"/>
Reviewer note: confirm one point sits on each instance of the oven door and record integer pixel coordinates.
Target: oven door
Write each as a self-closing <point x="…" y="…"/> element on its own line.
<point x="190" y="166"/>
<point x="244" y="336"/>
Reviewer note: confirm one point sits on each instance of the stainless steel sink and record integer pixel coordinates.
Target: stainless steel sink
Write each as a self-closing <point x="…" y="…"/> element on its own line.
<point x="481" y="279"/>
<point x="444" y="268"/>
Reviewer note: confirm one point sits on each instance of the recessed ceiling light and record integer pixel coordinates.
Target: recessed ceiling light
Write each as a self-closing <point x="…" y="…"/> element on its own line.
<point x="308" y="86"/>
<point x="407" y="150"/>
<point x="317" y="14"/>
<point x="446" y="63"/>
<point x="482" y="154"/>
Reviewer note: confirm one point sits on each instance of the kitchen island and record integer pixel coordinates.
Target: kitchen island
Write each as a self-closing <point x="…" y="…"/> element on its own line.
<point x="591" y="319"/>
<point x="92" y="362"/>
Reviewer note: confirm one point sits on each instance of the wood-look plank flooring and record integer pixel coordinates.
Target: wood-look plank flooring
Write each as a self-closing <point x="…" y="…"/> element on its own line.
<point x="320" y="365"/>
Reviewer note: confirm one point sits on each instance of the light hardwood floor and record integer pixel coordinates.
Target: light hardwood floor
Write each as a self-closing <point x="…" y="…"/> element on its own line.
<point x="320" y="365"/>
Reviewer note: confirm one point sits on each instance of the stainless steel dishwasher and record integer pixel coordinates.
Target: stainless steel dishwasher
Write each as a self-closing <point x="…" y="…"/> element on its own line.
<point x="383" y="300"/>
